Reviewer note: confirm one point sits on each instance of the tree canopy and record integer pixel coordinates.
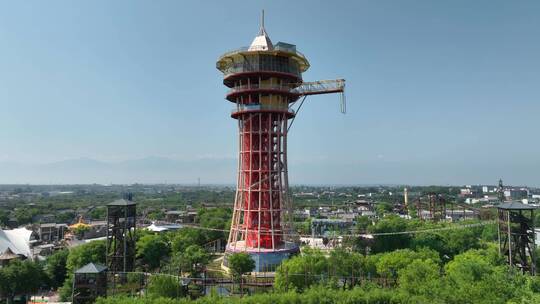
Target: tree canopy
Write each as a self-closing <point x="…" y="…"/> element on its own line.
<point x="20" y="278"/>
<point x="56" y="268"/>
<point x="151" y="249"/>
<point x="240" y="263"/>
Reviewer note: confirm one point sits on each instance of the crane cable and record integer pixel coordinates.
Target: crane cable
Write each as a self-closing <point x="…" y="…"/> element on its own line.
<point x="296" y="112"/>
<point x="363" y="235"/>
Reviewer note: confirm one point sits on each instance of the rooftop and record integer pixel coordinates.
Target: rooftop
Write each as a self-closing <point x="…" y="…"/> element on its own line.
<point x="91" y="268"/>
<point x="122" y="202"/>
<point x="261" y="42"/>
<point x="516" y="206"/>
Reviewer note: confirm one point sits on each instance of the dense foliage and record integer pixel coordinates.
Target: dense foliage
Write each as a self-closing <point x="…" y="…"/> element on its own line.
<point x="436" y="266"/>
<point x="165" y="286"/>
<point x="240" y="263"/>
<point x="403" y="276"/>
<point x="21" y="278"/>
<point x="93" y="252"/>
<point x="151" y="249"/>
<point x="56" y="268"/>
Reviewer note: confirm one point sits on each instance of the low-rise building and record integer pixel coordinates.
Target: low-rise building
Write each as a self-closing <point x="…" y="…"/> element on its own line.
<point x="51" y="232"/>
<point x="326" y="227"/>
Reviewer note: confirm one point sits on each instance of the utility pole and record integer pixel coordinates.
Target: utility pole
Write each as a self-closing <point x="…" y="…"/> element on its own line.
<point x="500" y="191"/>
<point x="406" y="200"/>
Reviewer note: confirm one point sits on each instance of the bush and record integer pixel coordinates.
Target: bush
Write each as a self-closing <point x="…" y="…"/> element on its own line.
<point x="165" y="286"/>
<point x="56" y="268"/>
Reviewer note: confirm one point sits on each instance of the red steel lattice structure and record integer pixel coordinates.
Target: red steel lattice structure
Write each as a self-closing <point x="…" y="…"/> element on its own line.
<point x="265" y="80"/>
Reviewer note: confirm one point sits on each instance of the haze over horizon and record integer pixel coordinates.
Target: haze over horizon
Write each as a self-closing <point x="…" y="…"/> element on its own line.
<point x="123" y="92"/>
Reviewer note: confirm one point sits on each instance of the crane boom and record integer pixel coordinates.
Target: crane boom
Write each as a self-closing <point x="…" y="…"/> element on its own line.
<point x="324" y="87"/>
<point x="321" y="87"/>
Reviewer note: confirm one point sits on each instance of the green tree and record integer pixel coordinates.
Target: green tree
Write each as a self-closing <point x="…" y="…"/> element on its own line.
<point x="347" y="265"/>
<point x="389" y="264"/>
<point x="300" y="272"/>
<point x="192" y="260"/>
<point x="215" y="218"/>
<point x="151" y="249"/>
<point x="362" y="223"/>
<point x="460" y="240"/>
<point x="304" y="227"/>
<point x="186" y="237"/>
<point x="4" y="218"/>
<point x="431" y="240"/>
<point x="56" y="268"/>
<point x="421" y="281"/>
<point x="490" y="233"/>
<point x="24" y="215"/>
<point x="155" y="215"/>
<point x="165" y="286"/>
<point x="384" y="243"/>
<point x="239" y="264"/>
<point x="472" y="278"/>
<point x="383" y="208"/>
<point x="65" y="217"/>
<point x="93" y="252"/>
<point x="537" y="219"/>
<point x="20" y="278"/>
<point x="98" y="213"/>
<point x="80" y="230"/>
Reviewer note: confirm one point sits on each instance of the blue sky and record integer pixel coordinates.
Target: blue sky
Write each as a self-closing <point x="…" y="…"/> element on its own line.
<point x="439" y="92"/>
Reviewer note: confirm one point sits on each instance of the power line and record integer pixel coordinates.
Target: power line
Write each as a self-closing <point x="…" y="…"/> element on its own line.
<point x="364" y="235"/>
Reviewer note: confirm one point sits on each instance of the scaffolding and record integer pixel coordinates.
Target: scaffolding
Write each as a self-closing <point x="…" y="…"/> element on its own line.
<point x="324" y="87"/>
<point x="436" y="207"/>
<point x="517" y="235"/>
<point x="500" y="192"/>
<point x="121" y="222"/>
<point x="431" y="207"/>
<point x="89" y="283"/>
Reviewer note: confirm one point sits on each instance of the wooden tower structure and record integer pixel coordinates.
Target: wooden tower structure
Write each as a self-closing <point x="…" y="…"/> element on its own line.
<point x="89" y="283"/>
<point x="517" y="235"/>
<point x="121" y="225"/>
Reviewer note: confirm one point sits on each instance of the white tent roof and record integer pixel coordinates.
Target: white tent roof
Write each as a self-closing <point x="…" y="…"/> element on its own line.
<point x="161" y="228"/>
<point x="17" y="240"/>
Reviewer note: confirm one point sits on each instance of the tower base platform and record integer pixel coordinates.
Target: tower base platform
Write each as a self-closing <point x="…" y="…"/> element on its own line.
<point x="266" y="259"/>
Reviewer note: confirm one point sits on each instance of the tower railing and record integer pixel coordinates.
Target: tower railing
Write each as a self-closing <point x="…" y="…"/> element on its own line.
<point x="259" y="107"/>
<point x="276" y="48"/>
<point x="245" y="67"/>
<point x="278" y="87"/>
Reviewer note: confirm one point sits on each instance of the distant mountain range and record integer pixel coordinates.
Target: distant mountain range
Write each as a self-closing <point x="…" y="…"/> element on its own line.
<point x="223" y="171"/>
<point x="145" y="170"/>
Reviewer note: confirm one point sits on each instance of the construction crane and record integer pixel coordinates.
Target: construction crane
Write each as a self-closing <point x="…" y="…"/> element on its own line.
<point x="319" y="87"/>
<point x="324" y="87"/>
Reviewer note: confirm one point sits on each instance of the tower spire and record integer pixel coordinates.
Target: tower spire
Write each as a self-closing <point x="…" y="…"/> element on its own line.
<point x="262" y="19"/>
<point x="262" y="42"/>
<point x="262" y="30"/>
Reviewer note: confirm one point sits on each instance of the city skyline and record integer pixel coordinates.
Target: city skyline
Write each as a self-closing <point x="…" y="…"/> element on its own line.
<point x="436" y="94"/>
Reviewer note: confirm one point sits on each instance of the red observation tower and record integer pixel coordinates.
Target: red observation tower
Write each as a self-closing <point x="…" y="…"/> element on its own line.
<point x="265" y="81"/>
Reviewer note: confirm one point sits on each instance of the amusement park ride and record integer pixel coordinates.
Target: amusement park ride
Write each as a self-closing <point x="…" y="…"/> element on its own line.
<point x="265" y="83"/>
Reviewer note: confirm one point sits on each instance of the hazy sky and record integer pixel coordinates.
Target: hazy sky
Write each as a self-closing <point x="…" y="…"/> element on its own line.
<point x="439" y="92"/>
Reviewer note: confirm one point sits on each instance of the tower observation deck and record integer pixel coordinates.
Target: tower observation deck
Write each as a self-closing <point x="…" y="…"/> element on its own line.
<point x="265" y="81"/>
